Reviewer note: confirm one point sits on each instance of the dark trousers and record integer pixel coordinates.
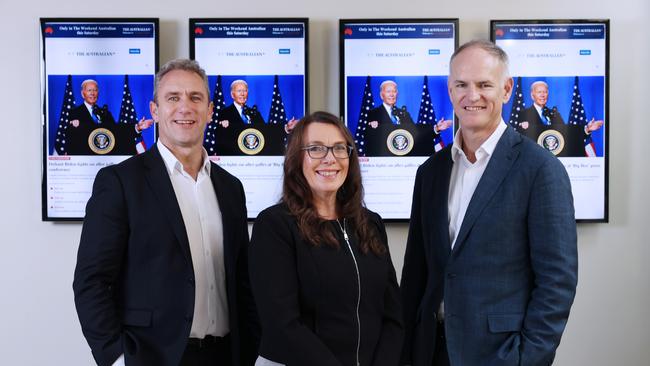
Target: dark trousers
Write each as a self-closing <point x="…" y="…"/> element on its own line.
<point x="440" y="356"/>
<point x="210" y="351"/>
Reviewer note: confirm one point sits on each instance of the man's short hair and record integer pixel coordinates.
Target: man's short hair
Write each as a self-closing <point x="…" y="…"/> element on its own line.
<point x="538" y="82"/>
<point x="88" y="81"/>
<point x="180" y="64"/>
<point x="487" y="46"/>
<point x="386" y="82"/>
<point x="238" y="81"/>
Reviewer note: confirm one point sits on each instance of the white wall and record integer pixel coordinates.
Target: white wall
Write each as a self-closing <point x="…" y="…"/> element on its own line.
<point x="609" y="324"/>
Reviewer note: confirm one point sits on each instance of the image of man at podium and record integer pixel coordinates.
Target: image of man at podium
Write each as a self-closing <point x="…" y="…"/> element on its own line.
<point x="392" y="131"/>
<point x="547" y="127"/>
<point x="93" y="130"/>
<point x="241" y="128"/>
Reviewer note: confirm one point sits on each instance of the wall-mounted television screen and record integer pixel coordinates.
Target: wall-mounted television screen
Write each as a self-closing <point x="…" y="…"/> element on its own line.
<point x="394" y="100"/>
<point x="257" y="71"/>
<point x="97" y="82"/>
<point x="561" y="99"/>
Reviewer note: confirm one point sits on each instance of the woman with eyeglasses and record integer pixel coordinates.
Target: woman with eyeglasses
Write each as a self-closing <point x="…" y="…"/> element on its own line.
<point x="320" y="268"/>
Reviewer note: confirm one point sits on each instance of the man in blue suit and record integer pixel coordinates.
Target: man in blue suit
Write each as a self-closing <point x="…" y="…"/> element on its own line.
<point x="490" y="269"/>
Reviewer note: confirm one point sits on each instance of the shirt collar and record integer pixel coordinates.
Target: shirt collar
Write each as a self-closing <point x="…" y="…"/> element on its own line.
<point x="487" y="148"/>
<point x="89" y="107"/>
<point x="173" y="164"/>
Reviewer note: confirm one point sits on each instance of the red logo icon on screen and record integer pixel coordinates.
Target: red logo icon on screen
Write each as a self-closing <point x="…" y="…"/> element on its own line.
<point x="499" y="32"/>
<point x="347" y="31"/>
<point x="198" y="30"/>
<point x="49" y="30"/>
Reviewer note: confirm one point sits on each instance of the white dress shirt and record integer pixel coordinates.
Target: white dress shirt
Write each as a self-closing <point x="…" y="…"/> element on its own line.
<point x="240" y="110"/>
<point x="540" y="112"/>
<point x="203" y="224"/>
<point x="389" y="110"/>
<point x="465" y="177"/>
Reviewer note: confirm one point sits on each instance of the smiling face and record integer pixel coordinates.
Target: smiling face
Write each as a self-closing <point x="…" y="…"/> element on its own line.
<point x="540" y="94"/>
<point x="90" y="92"/>
<point x="324" y="176"/>
<point x="478" y="88"/>
<point x="239" y="93"/>
<point x="388" y="94"/>
<point x="182" y="111"/>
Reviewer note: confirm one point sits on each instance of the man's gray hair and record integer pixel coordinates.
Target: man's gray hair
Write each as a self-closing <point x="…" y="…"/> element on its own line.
<point x="238" y="81"/>
<point x="88" y="81"/>
<point x="487" y="46"/>
<point x="386" y="82"/>
<point x="180" y="64"/>
<point x="538" y="82"/>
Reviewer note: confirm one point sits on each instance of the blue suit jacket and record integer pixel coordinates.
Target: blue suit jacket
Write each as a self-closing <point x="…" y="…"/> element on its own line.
<point x="134" y="280"/>
<point x="510" y="280"/>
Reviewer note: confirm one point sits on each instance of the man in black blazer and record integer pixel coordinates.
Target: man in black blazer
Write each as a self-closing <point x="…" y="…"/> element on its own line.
<point x="85" y="120"/>
<point x="161" y="275"/>
<point x="490" y="269"/>
<point x="388" y="112"/>
<point x="235" y="118"/>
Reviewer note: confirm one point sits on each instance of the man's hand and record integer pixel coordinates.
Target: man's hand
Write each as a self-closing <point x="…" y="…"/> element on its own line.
<point x="524" y="125"/>
<point x="75" y="122"/>
<point x="224" y="123"/>
<point x="373" y="124"/>
<point x="143" y="124"/>
<point x="443" y="124"/>
<point x="593" y="125"/>
<point x="290" y="125"/>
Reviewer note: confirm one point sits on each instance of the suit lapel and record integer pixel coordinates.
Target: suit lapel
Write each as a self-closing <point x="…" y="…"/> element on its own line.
<point x="227" y="224"/>
<point x="441" y="190"/>
<point x="500" y="163"/>
<point x="159" y="182"/>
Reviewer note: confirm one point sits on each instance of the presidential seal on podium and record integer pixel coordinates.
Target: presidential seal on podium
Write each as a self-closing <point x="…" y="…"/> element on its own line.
<point x="101" y="141"/>
<point x="551" y="140"/>
<point x="400" y="142"/>
<point x="251" y="141"/>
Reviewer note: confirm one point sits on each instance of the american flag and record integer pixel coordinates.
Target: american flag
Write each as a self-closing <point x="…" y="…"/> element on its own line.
<point x="211" y="131"/>
<point x="129" y="116"/>
<point x="427" y="115"/>
<point x="367" y="103"/>
<point x="68" y="104"/>
<point x="277" y="115"/>
<point x="578" y="117"/>
<point x="518" y="105"/>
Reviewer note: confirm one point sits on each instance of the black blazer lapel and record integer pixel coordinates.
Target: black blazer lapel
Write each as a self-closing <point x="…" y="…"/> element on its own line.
<point x="441" y="190"/>
<point x="385" y="115"/>
<point x="500" y="163"/>
<point x="228" y="224"/>
<point x="160" y="184"/>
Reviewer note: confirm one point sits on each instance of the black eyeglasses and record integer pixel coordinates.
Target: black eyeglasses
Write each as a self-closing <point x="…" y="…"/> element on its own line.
<point x="340" y="151"/>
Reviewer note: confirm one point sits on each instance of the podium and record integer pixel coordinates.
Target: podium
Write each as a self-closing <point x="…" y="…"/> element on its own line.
<point x="405" y="139"/>
<point x="253" y="139"/>
<point x="101" y="139"/>
<point x="560" y="139"/>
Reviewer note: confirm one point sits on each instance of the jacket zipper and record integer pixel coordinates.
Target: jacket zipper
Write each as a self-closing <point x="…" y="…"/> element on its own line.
<point x="356" y="268"/>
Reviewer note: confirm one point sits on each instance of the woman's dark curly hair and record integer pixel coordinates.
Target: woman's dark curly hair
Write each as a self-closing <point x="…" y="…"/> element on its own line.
<point x="297" y="194"/>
